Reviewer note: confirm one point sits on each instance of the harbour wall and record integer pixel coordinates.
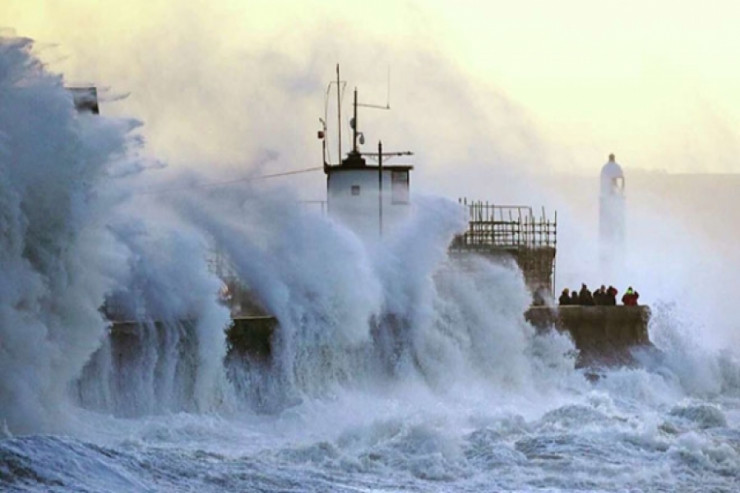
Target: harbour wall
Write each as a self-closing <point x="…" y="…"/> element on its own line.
<point x="603" y="335"/>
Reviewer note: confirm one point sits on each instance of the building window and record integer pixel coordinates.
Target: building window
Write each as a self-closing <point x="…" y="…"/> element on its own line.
<point x="355" y="189"/>
<point x="400" y="187"/>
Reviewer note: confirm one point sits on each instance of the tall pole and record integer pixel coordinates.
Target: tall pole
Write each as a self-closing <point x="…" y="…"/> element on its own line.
<point x="380" y="188"/>
<point x="339" y="114"/>
<point x="354" y="125"/>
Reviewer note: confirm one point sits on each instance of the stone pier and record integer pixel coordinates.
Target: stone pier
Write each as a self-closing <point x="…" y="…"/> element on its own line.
<point x="604" y="335"/>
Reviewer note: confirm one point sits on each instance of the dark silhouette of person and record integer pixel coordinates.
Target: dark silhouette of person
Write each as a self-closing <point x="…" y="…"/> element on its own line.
<point x="611" y="296"/>
<point x="600" y="296"/>
<point x="574" y="300"/>
<point x="630" y="297"/>
<point x="585" y="297"/>
<point x="564" y="297"/>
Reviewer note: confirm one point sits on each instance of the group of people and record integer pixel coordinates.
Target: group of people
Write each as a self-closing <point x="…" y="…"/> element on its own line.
<point x="601" y="297"/>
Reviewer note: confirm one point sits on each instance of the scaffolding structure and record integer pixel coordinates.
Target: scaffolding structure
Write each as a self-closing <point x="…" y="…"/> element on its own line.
<point x="515" y="232"/>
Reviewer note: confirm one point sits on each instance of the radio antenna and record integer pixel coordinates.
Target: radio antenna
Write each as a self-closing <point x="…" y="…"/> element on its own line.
<point x="387" y="97"/>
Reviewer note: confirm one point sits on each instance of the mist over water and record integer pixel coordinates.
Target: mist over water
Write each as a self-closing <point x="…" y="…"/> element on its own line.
<point x="395" y="366"/>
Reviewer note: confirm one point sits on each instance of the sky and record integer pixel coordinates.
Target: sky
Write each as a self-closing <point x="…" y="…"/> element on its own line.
<point x="535" y="85"/>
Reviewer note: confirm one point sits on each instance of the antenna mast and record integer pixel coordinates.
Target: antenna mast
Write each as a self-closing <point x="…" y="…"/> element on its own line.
<point x="354" y="125"/>
<point x="387" y="97"/>
<point x="339" y="114"/>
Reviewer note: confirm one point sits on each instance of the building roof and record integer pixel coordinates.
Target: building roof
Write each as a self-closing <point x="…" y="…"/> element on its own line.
<point x="390" y="167"/>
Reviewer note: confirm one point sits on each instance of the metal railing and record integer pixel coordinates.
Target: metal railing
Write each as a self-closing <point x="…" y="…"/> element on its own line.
<point x="506" y="227"/>
<point x="512" y="230"/>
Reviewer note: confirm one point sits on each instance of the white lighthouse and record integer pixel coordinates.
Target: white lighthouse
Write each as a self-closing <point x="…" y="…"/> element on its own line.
<point x="611" y="216"/>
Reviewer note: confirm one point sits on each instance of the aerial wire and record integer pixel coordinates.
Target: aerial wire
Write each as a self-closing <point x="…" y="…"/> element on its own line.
<point x="228" y="182"/>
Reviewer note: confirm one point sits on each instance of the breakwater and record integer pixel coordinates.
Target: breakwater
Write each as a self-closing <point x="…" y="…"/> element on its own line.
<point x="603" y="335"/>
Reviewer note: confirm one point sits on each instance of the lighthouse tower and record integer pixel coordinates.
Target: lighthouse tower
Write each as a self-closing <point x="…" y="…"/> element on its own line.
<point x="611" y="217"/>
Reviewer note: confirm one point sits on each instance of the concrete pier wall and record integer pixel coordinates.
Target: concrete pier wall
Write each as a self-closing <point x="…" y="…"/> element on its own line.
<point x="604" y="335"/>
<point x="142" y="368"/>
<point x="251" y="336"/>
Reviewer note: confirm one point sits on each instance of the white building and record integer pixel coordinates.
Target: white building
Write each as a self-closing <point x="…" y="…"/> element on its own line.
<point x="611" y="216"/>
<point x="370" y="199"/>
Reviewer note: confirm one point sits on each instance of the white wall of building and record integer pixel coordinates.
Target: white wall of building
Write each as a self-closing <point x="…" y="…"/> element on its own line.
<point x="353" y="198"/>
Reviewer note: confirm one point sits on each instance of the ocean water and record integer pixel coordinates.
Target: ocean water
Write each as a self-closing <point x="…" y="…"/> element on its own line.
<point x="396" y="368"/>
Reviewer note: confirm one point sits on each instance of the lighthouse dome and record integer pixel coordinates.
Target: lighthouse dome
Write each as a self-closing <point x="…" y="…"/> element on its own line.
<point x="611" y="176"/>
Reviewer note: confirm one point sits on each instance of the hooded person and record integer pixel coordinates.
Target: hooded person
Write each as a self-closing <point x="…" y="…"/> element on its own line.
<point x="600" y="296"/>
<point x="585" y="297"/>
<point x="611" y="296"/>
<point x="630" y="297"/>
<point x="564" y="297"/>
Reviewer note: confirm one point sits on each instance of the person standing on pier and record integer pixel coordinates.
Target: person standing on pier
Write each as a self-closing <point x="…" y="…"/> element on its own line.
<point x="611" y="296"/>
<point x="630" y="297"/>
<point x="600" y="296"/>
<point x="565" y="297"/>
<point x="585" y="297"/>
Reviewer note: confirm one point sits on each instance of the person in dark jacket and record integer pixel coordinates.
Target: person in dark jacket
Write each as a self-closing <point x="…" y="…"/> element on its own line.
<point x="611" y="296"/>
<point x="564" y="297"/>
<point x="630" y="297"/>
<point x="585" y="297"/>
<point x="600" y="296"/>
<point x="574" y="297"/>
